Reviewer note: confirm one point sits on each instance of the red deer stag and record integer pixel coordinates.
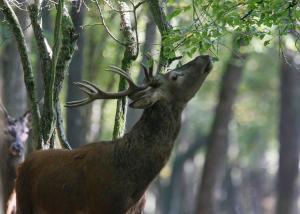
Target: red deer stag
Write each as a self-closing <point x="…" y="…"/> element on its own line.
<point x="111" y="177"/>
<point x="13" y="135"/>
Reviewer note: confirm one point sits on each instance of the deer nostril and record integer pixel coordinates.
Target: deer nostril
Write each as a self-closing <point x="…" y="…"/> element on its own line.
<point x="16" y="149"/>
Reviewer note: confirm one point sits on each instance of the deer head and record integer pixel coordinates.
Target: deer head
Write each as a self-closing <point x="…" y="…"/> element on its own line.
<point x="176" y="87"/>
<point x="15" y="132"/>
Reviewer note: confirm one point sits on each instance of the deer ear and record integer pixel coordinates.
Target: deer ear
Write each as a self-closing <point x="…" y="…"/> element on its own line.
<point x="144" y="102"/>
<point x="27" y="119"/>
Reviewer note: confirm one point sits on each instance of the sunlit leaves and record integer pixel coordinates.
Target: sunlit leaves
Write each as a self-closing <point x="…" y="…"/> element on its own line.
<point x="206" y="22"/>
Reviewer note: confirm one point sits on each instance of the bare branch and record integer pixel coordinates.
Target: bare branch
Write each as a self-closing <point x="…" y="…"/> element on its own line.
<point x="110" y="6"/>
<point x="67" y="49"/>
<point x="139" y="4"/>
<point x="105" y="26"/>
<point x="44" y="49"/>
<point x="135" y="7"/>
<point x="60" y="129"/>
<point x="49" y="117"/>
<point x="90" y="25"/>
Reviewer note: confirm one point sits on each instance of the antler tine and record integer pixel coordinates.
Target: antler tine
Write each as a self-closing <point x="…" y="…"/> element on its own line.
<point x="94" y="92"/>
<point x="97" y="92"/>
<point x="78" y="102"/>
<point x="121" y="72"/>
<point x="91" y="90"/>
<point x="85" y="88"/>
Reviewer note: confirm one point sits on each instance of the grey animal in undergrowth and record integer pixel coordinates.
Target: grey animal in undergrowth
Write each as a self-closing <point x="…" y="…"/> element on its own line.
<point x="13" y="135"/>
<point x="111" y="177"/>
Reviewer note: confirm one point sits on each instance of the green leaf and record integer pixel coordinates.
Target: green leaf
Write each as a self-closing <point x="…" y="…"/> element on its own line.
<point x="267" y="42"/>
<point x="175" y="13"/>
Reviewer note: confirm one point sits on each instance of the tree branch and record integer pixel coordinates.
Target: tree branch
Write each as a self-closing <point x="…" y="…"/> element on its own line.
<point x="60" y="129"/>
<point x="69" y="39"/>
<point x="130" y="54"/>
<point x="44" y="49"/>
<point x="164" y="27"/>
<point x="27" y="68"/>
<point x="105" y="26"/>
<point x="49" y="117"/>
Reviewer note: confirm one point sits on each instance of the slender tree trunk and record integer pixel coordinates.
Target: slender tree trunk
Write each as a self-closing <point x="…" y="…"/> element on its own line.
<point x="75" y="123"/>
<point x="46" y="26"/>
<point x="150" y="38"/>
<point x="289" y="136"/>
<point x="130" y="54"/>
<point x="231" y="204"/>
<point x="14" y="91"/>
<point x="218" y="141"/>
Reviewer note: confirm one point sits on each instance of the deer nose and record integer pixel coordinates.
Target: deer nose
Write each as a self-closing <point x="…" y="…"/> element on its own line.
<point x="203" y="58"/>
<point x="16" y="149"/>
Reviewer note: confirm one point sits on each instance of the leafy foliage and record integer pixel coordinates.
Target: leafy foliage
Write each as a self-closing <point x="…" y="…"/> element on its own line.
<point x="211" y="20"/>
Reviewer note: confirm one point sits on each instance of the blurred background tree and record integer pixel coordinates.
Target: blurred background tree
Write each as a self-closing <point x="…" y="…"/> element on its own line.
<point x="238" y="150"/>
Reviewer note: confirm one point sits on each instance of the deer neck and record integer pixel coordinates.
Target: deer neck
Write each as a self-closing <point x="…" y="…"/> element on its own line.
<point x="141" y="153"/>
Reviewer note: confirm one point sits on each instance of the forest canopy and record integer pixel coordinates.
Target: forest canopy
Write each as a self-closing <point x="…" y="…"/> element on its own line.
<point x="204" y="24"/>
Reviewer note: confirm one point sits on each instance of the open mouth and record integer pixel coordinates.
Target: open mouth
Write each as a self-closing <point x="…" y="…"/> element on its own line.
<point x="16" y="153"/>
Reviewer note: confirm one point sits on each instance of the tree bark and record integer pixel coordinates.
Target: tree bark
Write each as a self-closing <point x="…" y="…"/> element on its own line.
<point x="164" y="27"/>
<point x="130" y="54"/>
<point x="218" y="140"/>
<point x="14" y="91"/>
<point x="75" y="123"/>
<point x="289" y="136"/>
<point x="150" y="37"/>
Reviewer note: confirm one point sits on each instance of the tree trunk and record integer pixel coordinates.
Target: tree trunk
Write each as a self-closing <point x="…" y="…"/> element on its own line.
<point x="289" y="136"/>
<point x="150" y="36"/>
<point x="46" y="26"/>
<point x="14" y="91"/>
<point x="75" y="123"/>
<point x="218" y="141"/>
<point x="231" y="203"/>
<point x="130" y="54"/>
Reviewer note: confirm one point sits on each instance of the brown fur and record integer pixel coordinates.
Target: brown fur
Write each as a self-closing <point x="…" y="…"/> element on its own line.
<point x="111" y="177"/>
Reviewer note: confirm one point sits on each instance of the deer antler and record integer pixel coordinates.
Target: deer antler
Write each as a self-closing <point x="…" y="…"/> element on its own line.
<point x="94" y="92"/>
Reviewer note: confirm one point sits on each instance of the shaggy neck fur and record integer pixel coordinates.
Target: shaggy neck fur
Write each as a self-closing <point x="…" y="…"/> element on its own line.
<point x="141" y="154"/>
